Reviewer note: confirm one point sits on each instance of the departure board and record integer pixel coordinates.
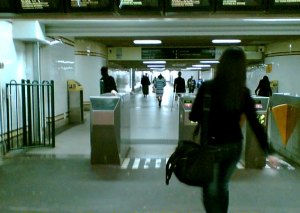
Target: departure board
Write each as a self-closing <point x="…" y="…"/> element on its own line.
<point x="7" y="6"/>
<point x="241" y="5"/>
<point x="90" y="5"/>
<point x="139" y="4"/>
<point x="40" y="5"/>
<point x="188" y="5"/>
<point x="178" y="53"/>
<point x="287" y="5"/>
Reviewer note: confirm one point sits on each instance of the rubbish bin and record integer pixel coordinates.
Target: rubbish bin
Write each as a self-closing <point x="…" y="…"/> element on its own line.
<point x="109" y="128"/>
<point x="75" y="102"/>
<point x="186" y="127"/>
<point x="254" y="156"/>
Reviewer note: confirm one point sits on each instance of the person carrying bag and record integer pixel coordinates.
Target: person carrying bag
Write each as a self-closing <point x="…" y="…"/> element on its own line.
<point x="230" y="99"/>
<point x="193" y="163"/>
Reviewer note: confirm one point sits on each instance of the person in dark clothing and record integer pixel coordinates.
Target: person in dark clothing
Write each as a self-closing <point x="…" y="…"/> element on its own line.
<point x="191" y="84"/>
<point x="145" y="84"/>
<point x="107" y="82"/>
<point x="263" y="87"/>
<point x="179" y="84"/>
<point x="230" y="98"/>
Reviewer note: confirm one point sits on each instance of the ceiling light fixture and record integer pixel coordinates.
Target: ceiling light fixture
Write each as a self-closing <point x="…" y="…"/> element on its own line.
<point x="201" y="65"/>
<point x="154" y="62"/>
<point x="194" y="68"/>
<point x="226" y="41"/>
<point x="155" y="65"/>
<point x="210" y="62"/>
<point x="147" y="41"/>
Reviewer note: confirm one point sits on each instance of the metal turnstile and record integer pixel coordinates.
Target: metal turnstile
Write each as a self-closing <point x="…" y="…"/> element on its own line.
<point x="254" y="156"/>
<point x="75" y="102"/>
<point x="109" y="128"/>
<point x="186" y="127"/>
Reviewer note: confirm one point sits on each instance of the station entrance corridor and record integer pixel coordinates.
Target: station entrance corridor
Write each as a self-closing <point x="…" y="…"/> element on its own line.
<point x="62" y="180"/>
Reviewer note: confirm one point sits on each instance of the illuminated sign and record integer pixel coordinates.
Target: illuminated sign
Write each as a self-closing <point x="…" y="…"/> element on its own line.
<point x="89" y="5"/>
<point x="188" y="5"/>
<point x="241" y="5"/>
<point x="40" y="5"/>
<point x="140" y="6"/>
<point x="178" y="53"/>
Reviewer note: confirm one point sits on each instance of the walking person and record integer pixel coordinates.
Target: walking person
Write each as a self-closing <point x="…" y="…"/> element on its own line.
<point x="107" y="82"/>
<point x="230" y="98"/>
<point x="191" y="84"/>
<point x="159" y="85"/>
<point x="145" y="85"/>
<point x="179" y="84"/>
<point x="264" y="87"/>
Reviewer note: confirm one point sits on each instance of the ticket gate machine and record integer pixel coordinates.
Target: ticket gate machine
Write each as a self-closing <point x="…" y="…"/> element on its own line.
<point x="186" y="127"/>
<point x="253" y="154"/>
<point x="109" y="128"/>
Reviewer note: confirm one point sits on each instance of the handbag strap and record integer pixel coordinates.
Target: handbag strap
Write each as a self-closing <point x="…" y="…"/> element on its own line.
<point x="205" y="119"/>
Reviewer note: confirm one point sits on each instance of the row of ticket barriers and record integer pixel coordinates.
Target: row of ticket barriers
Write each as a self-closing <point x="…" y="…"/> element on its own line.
<point x="110" y="129"/>
<point x="110" y="125"/>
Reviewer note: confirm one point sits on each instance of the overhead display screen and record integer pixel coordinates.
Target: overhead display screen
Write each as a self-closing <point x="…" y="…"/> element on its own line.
<point x="241" y="5"/>
<point x="135" y="4"/>
<point x="178" y="53"/>
<point x="284" y="4"/>
<point x="40" y="5"/>
<point x="7" y="6"/>
<point x="188" y="5"/>
<point x="90" y="5"/>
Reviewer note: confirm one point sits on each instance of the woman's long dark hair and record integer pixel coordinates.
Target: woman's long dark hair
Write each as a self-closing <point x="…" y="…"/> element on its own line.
<point x="230" y="78"/>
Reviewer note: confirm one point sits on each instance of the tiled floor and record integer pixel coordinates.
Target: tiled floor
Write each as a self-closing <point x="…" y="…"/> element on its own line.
<point x="62" y="180"/>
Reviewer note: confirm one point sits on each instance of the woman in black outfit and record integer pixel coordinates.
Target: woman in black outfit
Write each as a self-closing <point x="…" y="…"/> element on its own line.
<point x="229" y="100"/>
<point x="264" y="87"/>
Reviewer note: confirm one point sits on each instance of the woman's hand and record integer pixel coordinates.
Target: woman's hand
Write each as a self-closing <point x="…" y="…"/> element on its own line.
<point x="273" y="161"/>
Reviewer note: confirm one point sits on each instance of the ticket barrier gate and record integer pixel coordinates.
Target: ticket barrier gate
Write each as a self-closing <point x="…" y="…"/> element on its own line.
<point x="109" y="128"/>
<point x="253" y="155"/>
<point x="75" y="102"/>
<point x="186" y="127"/>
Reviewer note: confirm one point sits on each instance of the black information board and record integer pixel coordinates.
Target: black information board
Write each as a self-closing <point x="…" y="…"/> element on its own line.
<point x="40" y="6"/>
<point x="188" y="5"/>
<point x="145" y="5"/>
<point x="178" y="53"/>
<point x="89" y="5"/>
<point x="286" y="5"/>
<point x="7" y="6"/>
<point x="241" y="5"/>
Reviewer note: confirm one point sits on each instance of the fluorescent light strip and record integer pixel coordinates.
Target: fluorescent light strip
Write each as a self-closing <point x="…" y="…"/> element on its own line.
<point x="155" y="65"/>
<point x="226" y="41"/>
<point x="147" y="41"/>
<point x="201" y="65"/>
<point x="154" y="62"/>
<point x="194" y="68"/>
<point x="209" y="62"/>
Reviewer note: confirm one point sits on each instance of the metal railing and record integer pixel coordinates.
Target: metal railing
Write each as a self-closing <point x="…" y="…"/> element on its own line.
<point x="29" y="114"/>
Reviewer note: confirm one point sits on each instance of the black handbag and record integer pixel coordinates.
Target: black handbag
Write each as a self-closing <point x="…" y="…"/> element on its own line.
<point x="192" y="163"/>
<point x="195" y="164"/>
